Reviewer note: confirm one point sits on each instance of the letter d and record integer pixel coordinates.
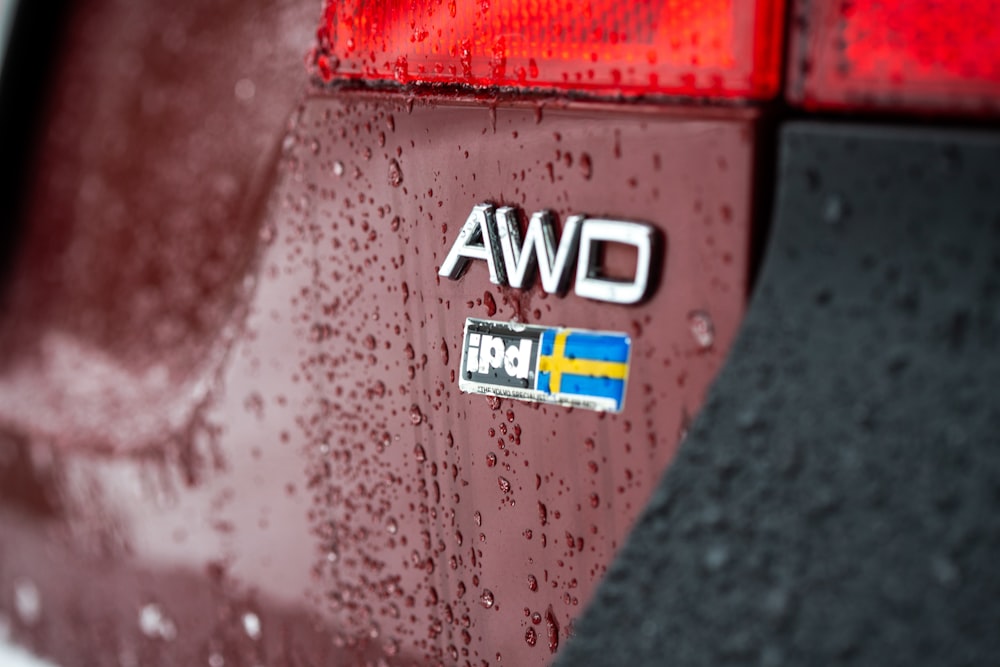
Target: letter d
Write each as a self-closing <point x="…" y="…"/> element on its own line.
<point x="517" y="361"/>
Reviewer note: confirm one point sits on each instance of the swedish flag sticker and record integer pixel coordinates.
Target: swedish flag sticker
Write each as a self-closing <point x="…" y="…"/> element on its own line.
<point x="572" y="367"/>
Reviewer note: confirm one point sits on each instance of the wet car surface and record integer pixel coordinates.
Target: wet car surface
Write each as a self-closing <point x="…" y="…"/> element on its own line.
<point x="232" y="427"/>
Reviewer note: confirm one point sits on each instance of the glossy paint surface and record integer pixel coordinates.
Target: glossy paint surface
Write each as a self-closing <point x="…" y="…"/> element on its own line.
<point x="488" y="512"/>
<point x="231" y="427"/>
<point x="142" y="215"/>
<point x="338" y="471"/>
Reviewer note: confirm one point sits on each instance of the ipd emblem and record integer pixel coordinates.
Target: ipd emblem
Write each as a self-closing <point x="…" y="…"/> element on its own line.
<point x="571" y="367"/>
<point x="507" y="360"/>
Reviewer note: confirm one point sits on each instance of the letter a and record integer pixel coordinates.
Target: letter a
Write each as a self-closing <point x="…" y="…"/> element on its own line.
<point x="476" y="240"/>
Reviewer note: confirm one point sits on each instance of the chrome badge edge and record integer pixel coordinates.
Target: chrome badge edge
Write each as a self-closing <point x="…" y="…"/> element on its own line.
<point x="565" y="366"/>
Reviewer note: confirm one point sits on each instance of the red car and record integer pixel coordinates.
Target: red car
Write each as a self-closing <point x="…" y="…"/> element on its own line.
<point x="501" y="333"/>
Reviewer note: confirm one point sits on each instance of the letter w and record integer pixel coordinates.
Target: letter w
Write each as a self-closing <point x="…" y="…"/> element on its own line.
<point x="539" y="248"/>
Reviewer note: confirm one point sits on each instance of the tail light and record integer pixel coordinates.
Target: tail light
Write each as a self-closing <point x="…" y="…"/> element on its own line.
<point x="901" y="55"/>
<point x="705" y="48"/>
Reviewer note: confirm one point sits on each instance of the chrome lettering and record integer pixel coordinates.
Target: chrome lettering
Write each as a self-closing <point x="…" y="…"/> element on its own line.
<point x="494" y="235"/>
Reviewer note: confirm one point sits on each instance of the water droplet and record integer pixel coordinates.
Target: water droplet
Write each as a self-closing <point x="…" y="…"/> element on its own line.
<point x="586" y="166"/>
<point x="716" y="558"/>
<point x="420" y="453"/>
<point x="834" y="210"/>
<point x="244" y="90"/>
<point x="465" y="58"/>
<point x="702" y="328"/>
<point x="401" y="70"/>
<point x="945" y="570"/>
<point x="749" y="419"/>
<point x="478" y="517"/>
<point x="416" y="417"/>
<point x="504" y="484"/>
<point x="532" y="583"/>
<point x="251" y="625"/>
<point x="486" y="598"/>
<point x="395" y="174"/>
<point x="530" y="636"/>
<point x="327" y="65"/>
<point x="490" y="303"/>
<point x="338" y="168"/>
<point x="491" y="460"/>
<point x="777" y="603"/>
<point x="155" y="624"/>
<point x="391" y="526"/>
<point x="27" y="602"/>
<point x="498" y="63"/>
<point x="319" y="332"/>
<point x="552" y="629"/>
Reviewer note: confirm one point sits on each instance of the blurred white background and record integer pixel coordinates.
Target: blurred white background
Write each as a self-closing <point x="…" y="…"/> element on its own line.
<point x="15" y="656"/>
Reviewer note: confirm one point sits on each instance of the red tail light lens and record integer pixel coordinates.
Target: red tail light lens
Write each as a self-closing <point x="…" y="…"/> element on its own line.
<point x="704" y="48"/>
<point x="934" y="54"/>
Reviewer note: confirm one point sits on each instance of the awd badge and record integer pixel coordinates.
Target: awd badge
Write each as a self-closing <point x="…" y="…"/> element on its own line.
<point x="494" y="235"/>
<point x="571" y="367"/>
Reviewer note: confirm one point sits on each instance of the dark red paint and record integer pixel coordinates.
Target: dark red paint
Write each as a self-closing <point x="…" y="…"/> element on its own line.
<point x="228" y="382"/>
<point x="449" y="502"/>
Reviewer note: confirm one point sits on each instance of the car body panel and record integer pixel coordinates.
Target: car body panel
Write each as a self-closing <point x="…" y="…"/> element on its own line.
<point x="231" y="427"/>
<point x="252" y="373"/>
